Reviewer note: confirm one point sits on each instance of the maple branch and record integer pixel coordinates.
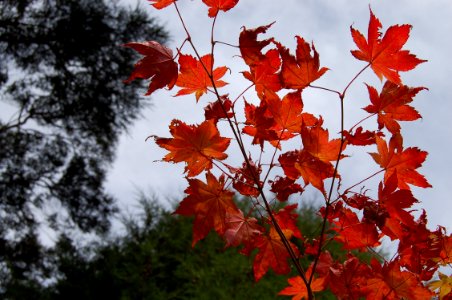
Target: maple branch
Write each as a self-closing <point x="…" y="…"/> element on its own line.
<point x="365" y="179"/>
<point x="354" y="78"/>
<point x="227" y="44"/>
<point x="325" y="89"/>
<point x="330" y="193"/>
<point x="362" y="120"/>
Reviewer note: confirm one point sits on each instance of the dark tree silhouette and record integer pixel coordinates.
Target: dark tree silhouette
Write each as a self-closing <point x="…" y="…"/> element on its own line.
<point x="61" y="70"/>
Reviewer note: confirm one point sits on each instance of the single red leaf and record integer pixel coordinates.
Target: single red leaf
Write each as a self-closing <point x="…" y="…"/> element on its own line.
<point x="287" y="221"/>
<point x="195" y="75"/>
<point x="264" y="73"/>
<point x="395" y="203"/>
<point x="390" y="282"/>
<point x="220" y="109"/>
<point x="210" y="203"/>
<point x="349" y="280"/>
<point x="353" y="233"/>
<point x="360" y="137"/>
<point x="245" y="179"/>
<point x="391" y="105"/>
<point x="250" y="47"/>
<point x="385" y="54"/>
<point x="297" y="164"/>
<point x="403" y="161"/>
<point x="283" y="187"/>
<point x="216" y="5"/>
<point x="419" y="248"/>
<point x="259" y="124"/>
<point x="272" y="254"/>
<point x="316" y="142"/>
<point x="446" y="250"/>
<point x="195" y="145"/>
<point x="159" y="4"/>
<point x="299" y="72"/>
<point x="240" y="229"/>
<point x="288" y="114"/>
<point x="157" y="65"/>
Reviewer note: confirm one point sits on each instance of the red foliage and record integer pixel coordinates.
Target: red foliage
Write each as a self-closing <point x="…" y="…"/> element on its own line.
<point x="275" y="115"/>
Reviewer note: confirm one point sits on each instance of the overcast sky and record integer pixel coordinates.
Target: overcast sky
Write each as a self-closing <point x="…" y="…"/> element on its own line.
<point x="326" y="23"/>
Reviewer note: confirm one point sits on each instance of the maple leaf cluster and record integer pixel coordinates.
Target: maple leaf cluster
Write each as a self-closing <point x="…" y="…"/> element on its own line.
<point x="351" y="217"/>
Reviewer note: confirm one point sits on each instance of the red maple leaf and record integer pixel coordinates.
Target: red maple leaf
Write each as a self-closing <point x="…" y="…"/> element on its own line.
<point x="299" y="72"/>
<point x="157" y="64"/>
<point x="272" y="254"/>
<point x="288" y="114"/>
<point x="349" y="280"/>
<point x="385" y="55"/>
<point x="159" y="4"/>
<point x="353" y="233"/>
<point x="250" y="47"/>
<point x="240" y="229"/>
<point x="259" y="124"/>
<point x="211" y="205"/>
<point x="392" y="105"/>
<point x="389" y="282"/>
<point x="264" y="73"/>
<point x="360" y="137"/>
<point x="245" y="179"/>
<point x="316" y="142"/>
<point x="287" y="221"/>
<point x="217" y="5"/>
<point x="446" y="250"/>
<point x="403" y="161"/>
<point x="195" y="75"/>
<point x="219" y="110"/>
<point x="283" y="187"/>
<point x="311" y="169"/>
<point x="395" y="202"/>
<point x="195" y="145"/>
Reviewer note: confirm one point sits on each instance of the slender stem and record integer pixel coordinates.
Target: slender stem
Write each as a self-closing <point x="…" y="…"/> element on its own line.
<point x="330" y="193"/>
<point x="365" y="179"/>
<point x="325" y="89"/>
<point x="362" y="120"/>
<point x="354" y="78"/>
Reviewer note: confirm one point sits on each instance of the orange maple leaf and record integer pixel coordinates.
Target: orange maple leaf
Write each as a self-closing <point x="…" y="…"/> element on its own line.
<point x="316" y="142"/>
<point x="195" y="76"/>
<point x="297" y="287"/>
<point x="211" y="205"/>
<point x="384" y="54"/>
<point x="159" y="4"/>
<point x="216" y="5"/>
<point x="403" y="161"/>
<point x="299" y="72"/>
<point x="157" y="64"/>
<point x="392" y="105"/>
<point x="195" y="145"/>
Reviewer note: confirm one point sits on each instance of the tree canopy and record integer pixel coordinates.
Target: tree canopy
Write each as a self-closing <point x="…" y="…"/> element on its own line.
<point x="62" y="69"/>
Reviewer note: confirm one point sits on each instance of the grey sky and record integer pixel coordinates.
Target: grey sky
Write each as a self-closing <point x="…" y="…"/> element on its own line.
<point x="327" y="24"/>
